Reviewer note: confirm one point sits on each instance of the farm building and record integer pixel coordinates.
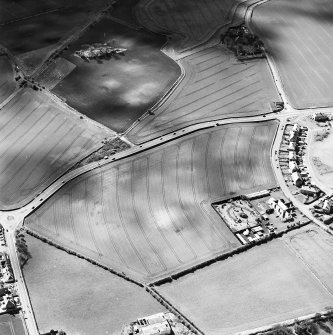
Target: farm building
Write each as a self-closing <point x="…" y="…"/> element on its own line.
<point x="292" y="156"/>
<point x="309" y="190"/>
<point x="297" y="179"/>
<point x="293" y="135"/>
<point x="282" y="208"/>
<point x="320" y="117"/>
<point x="256" y="195"/>
<point x="292" y="146"/>
<point x="293" y="166"/>
<point x="328" y="206"/>
<point x="156" y="324"/>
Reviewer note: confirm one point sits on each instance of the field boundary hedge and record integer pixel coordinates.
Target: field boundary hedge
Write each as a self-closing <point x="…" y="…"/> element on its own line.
<point x="226" y="255"/>
<point x="88" y="259"/>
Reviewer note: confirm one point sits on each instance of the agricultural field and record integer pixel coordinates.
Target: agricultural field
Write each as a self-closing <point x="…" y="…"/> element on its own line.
<point x="216" y="86"/>
<point x="116" y="91"/>
<point x="81" y="298"/>
<point x="7" y="83"/>
<point x="299" y="36"/>
<point x="39" y="141"/>
<point x="315" y="247"/>
<point x="188" y="22"/>
<point x="33" y="38"/>
<point x="151" y="215"/>
<point x="11" y="325"/>
<point x="267" y="284"/>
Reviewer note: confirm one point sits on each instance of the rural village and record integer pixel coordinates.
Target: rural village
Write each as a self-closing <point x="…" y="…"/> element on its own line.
<point x="166" y="167"/>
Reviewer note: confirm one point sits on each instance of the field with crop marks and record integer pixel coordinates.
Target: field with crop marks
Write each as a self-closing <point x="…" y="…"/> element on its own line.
<point x="7" y="83"/>
<point x="39" y="141"/>
<point x="151" y="215"/>
<point x="11" y="325"/>
<point x="315" y="247"/>
<point x="190" y="22"/>
<point x="81" y="298"/>
<point x="216" y="86"/>
<point x="299" y="36"/>
<point x="267" y="284"/>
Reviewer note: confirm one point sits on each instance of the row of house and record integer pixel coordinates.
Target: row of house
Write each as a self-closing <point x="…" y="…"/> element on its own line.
<point x="2" y="236"/>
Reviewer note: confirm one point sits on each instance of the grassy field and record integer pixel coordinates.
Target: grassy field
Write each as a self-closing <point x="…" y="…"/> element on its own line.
<point x="151" y="215"/>
<point x="11" y="325"/>
<point x="81" y="298"/>
<point x="189" y="22"/>
<point x="267" y="284"/>
<point x="315" y="247"/>
<point x="7" y="83"/>
<point x="215" y="86"/>
<point x="299" y="36"/>
<point x="39" y="141"/>
<point x="115" y="92"/>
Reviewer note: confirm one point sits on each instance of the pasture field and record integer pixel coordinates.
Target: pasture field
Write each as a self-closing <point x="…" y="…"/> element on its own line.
<point x="116" y="91"/>
<point x="151" y="215"/>
<point x="7" y="83"/>
<point x="315" y="247"/>
<point x="39" y="141"/>
<point x="188" y="22"/>
<point x="215" y="86"/>
<point x="81" y="298"/>
<point x="267" y="284"/>
<point x="11" y="325"/>
<point x="299" y="36"/>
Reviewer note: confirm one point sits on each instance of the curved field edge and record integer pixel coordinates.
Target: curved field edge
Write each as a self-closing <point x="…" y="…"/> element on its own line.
<point x="150" y="215"/>
<point x="40" y="141"/>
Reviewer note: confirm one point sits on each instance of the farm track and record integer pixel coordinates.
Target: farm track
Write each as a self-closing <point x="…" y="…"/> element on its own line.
<point x="155" y="202"/>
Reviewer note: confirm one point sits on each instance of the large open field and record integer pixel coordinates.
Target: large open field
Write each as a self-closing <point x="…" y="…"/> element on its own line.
<point x="117" y="91"/>
<point x="299" y="36"/>
<point x="315" y="247"/>
<point x="33" y="37"/>
<point x="151" y="215"/>
<point x="11" y="325"/>
<point x="189" y="22"/>
<point x="215" y="86"/>
<point x="265" y="285"/>
<point x="71" y="294"/>
<point x="7" y="83"/>
<point x="39" y="141"/>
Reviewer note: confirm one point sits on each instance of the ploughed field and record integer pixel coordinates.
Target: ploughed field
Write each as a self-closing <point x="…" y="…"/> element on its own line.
<point x="190" y="22"/>
<point x="299" y="36"/>
<point x="151" y="215"/>
<point x="118" y="90"/>
<point x="81" y="298"/>
<point x="7" y="83"/>
<point x="39" y="141"/>
<point x="267" y="284"/>
<point x="215" y="86"/>
<point x="11" y="325"/>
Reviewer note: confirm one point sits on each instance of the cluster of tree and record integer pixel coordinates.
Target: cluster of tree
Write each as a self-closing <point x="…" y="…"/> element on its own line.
<point x="21" y="247"/>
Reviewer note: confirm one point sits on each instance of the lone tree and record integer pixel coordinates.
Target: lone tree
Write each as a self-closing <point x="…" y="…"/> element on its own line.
<point x="21" y="247"/>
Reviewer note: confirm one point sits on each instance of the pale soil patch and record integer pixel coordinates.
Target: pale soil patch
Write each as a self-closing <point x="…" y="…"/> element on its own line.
<point x="71" y="294"/>
<point x="151" y="215"/>
<point x="267" y="284"/>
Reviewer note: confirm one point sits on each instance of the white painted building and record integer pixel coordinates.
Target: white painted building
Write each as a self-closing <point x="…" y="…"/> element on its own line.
<point x="297" y="179"/>
<point x="293" y="166"/>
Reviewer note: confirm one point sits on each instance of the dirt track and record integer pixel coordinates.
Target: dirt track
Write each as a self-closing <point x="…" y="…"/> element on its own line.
<point x="215" y="86"/>
<point x="151" y="215"/>
<point x="39" y="142"/>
